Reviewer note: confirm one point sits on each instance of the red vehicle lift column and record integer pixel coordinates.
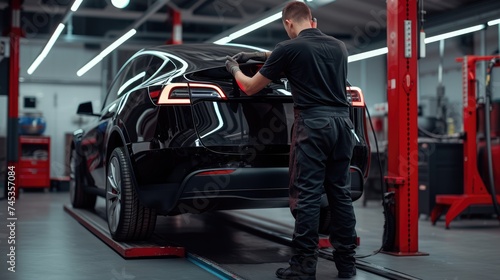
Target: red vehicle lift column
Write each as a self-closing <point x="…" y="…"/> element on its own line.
<point x="475" y="192"/>
<point x="176" y="39"/>
<point x="402" y="148"/>
<point x="12" y="123"/>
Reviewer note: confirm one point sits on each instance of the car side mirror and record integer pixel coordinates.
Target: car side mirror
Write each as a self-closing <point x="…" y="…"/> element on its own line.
<point x="86" y="109"/>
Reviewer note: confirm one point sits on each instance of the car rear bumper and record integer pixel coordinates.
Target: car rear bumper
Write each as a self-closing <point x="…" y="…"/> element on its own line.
<point x="224" y="189"/>
<point x="217" y="189"/>
<point x="255" y="183"/>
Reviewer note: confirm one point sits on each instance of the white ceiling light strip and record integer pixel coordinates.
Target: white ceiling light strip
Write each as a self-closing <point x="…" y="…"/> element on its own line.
<point x="46" y="49"/>
<point x="493" y="22"/>
<point x="76" y="5"/>
<point x="133" y="29"/>
<point x="106" y="51"/>
<point x="266" y="18"/>
<point x="368" y="54"/>
<point x="381" y="51"/>
<point x="455" y="33"/>
<point x="248" y="29"/>
<point x="53" y="38"/>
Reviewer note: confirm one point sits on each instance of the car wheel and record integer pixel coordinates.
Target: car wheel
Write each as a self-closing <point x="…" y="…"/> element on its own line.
<point x="79" y="198"/>
<point x="128" y="219"/>
<point x="324" y="220"/>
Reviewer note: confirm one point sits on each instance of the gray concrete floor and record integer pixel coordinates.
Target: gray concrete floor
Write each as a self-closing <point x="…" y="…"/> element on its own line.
<point x="50" y="244"/>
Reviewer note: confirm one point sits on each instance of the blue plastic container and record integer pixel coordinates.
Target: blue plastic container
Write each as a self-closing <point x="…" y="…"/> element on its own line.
<point x="32" y="124"/>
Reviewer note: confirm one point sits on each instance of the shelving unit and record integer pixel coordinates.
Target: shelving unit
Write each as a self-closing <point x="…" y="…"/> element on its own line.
<point x="34" y="161"/>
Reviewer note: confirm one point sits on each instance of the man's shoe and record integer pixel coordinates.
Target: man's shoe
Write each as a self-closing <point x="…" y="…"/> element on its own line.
<point x="289" y="273"/>
<point x="347" y="274"/>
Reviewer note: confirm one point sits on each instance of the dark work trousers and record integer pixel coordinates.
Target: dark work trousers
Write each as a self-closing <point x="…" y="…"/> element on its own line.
<point x="320" y="155"/>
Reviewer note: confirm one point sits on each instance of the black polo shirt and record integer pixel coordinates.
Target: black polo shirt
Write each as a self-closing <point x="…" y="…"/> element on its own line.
<point x="316" y="67"/>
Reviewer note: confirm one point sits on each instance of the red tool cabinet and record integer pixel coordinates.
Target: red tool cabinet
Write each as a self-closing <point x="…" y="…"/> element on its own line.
<point x="34" y="162"/>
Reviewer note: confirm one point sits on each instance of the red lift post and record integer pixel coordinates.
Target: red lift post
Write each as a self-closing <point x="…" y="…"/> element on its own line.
<point x="475" y="192"/>
<point x="402" y="148"/>
<point x="15" y="33"/>
<point x="175" y="16"/>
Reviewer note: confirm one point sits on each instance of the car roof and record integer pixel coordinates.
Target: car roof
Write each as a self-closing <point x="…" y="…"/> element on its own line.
<point x="202" y="56"/>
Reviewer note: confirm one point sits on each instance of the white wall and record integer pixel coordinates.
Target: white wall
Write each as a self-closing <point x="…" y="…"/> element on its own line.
<point x="58" y="104"/>
<point x="59" y="91"/>
<point x="370" y="75"/>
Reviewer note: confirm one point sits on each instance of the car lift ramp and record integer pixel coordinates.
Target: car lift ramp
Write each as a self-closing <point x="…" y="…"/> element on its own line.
<point x="155" y="247"/>
<point x="143" y="249"/>
<point x="242" y="246"/>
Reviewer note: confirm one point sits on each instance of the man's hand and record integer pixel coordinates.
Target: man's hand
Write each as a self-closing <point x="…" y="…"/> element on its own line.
<point x="232" y="65"/>
<point x="243" y="57"/>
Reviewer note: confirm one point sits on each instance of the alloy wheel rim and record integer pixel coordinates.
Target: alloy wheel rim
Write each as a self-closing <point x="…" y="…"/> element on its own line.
<point x="113" y="194"/>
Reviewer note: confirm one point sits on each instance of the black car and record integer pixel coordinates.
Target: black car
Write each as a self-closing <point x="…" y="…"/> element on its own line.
<point x="176" y="135"/>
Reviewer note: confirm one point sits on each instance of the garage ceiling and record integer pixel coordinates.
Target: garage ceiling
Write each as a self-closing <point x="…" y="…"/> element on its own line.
<point x="360" y="23"/>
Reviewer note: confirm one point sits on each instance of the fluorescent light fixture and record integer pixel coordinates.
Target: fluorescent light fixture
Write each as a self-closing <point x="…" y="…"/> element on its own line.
<point x="105" y="52"/>
<point x="46" y="49"/>
<point x="368" y="54"/>
<point x="53" y="39"/>
<point x="223" y="41"/>
<point x="76" y="5"/>
<point x="381" y="51"/>
<point x="454" y="33"/>
<point x="248" y="29"/>
<point x="493" y="22"/>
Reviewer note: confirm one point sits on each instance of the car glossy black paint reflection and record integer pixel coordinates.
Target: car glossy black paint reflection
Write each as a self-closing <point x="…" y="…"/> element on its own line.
<point x="191" y="141"/>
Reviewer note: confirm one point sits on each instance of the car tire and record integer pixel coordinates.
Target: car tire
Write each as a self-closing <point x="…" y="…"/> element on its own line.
<point x="79" y="198"/>
<point x="324" y="220"/>
<point x="128" y="219"/>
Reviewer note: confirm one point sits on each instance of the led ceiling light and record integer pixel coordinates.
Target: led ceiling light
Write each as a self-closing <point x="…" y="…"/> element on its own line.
<point x="266" y="18"/>
<point x="493" y="22"/>
<point x="248" y="29"/>
<point x="381" y="51"/>
<point x="120" y="4"/>
<point x="368" y="54"/>
<point x="46" y="49"/>
<point x="454" y="33"/>
<point x="54" y="37"/>
<point x="76" y="5"/>
<point x="105" y="52"/>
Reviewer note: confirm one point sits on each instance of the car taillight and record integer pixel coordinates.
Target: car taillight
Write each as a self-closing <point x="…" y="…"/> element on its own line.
<point x="178" y="93"/>
<point x="355" y="97"/>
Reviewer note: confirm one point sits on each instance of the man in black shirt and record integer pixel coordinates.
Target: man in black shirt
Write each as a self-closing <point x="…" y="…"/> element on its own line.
<point x="322" y="138"/>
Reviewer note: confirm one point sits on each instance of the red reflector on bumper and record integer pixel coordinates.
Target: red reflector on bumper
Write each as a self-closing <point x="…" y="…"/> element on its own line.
<point x="216" y="172"/>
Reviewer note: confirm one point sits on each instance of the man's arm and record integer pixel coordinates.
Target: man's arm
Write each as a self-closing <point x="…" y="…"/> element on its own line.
<point x="243" y="57"/>
<point x="249" y="85"/>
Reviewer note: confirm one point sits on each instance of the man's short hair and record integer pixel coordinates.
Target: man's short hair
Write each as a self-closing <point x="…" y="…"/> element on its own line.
<point x="296" y="11"/>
